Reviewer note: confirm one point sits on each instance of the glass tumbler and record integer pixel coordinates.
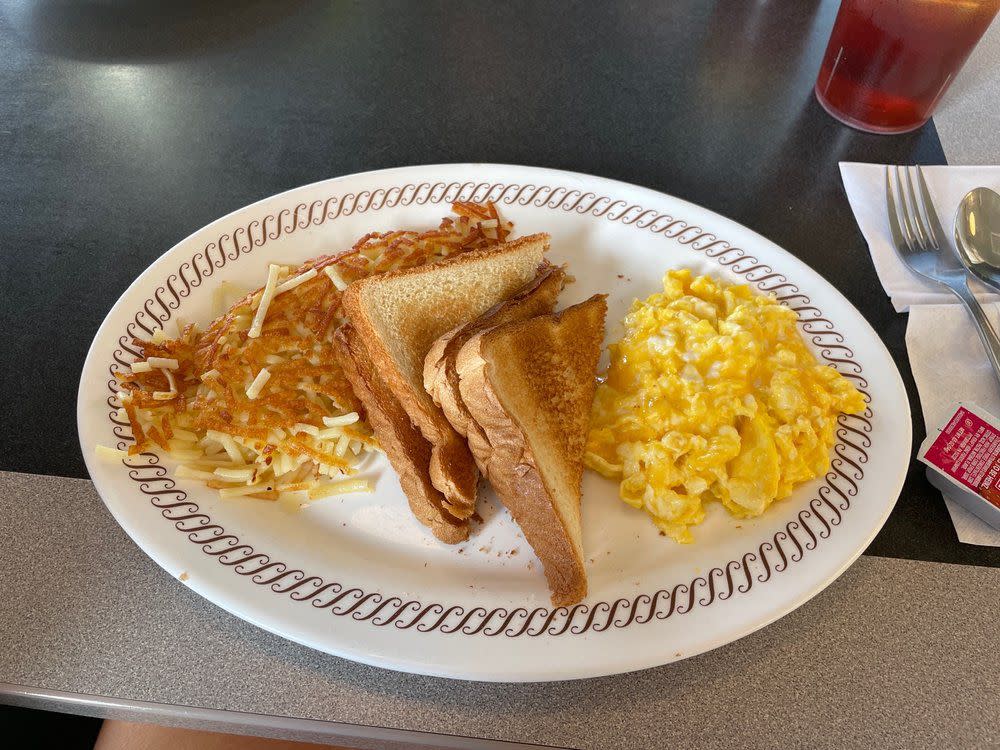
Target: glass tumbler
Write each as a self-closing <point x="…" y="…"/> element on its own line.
<point x="889" y="62"/>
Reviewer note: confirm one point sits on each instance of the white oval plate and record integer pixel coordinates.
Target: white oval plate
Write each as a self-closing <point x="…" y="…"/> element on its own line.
<point x="360" y="578"/>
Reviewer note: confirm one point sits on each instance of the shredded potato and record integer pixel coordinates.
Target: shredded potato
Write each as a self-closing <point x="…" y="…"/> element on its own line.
<point x="255" y="404"/>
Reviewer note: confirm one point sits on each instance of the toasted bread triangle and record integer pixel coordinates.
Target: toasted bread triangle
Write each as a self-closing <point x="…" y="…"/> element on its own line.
<point x="407" y="450"/>
<point x="529" y="386"/>
<point x="440" y="373"/>
<point x="398" y="315"/>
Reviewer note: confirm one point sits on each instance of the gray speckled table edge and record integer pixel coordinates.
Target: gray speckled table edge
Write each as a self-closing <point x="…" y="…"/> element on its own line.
<point x="849" y="668"/>
<point x="364" y="737"/>
<point x="968" y="118"/>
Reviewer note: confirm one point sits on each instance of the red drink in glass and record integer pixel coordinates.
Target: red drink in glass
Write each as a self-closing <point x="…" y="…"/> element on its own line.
<point x="888" y="62"/>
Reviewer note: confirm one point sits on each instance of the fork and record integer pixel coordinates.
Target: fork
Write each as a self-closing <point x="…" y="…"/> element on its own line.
<point x="921" y="245"/>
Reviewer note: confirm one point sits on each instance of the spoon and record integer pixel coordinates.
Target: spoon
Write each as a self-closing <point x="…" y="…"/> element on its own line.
<point x="977" y="234"/>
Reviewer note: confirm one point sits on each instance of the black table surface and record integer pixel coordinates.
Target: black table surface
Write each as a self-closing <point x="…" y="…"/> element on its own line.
<point x="126" y="125"/>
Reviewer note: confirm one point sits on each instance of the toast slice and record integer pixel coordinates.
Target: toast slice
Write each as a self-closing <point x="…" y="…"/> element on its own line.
<point x="407" y="450"/>
<point x="398" y="315"/>
<point x="440" y="374"/>
<point x="529" y="386"/>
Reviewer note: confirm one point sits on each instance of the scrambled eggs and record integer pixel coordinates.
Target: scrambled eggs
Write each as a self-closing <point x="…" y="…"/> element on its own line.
<point x="712" y="394"/>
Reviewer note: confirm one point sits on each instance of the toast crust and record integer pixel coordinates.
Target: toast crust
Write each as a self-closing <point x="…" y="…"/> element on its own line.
<point x="502" y="443"/>
<point x="407" y="450"/>
<point x="452" y="468"/>
<point x="511" y="469"/>
<point x="440" y="374"/>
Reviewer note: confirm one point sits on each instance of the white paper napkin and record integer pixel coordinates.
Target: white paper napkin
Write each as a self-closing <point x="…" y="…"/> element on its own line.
<point x="949" y="364"/>
<point x="865" y="187"/>
<point x="946" y="356"/>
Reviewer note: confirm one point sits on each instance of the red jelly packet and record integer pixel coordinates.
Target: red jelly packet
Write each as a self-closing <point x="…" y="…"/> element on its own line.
<point x="965" y="453"/>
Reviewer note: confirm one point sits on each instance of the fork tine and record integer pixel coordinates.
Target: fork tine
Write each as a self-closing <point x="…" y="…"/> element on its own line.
<point x="904" y="211"/>
<point x="890" y="203"/>
<point x="937" y="234"/>
<point x="923" y="233"/>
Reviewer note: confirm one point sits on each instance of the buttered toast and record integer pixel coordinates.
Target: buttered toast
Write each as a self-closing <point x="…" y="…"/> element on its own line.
<point x="407" y="450"/>
<point x="440" y="373"/>
<point x="529" y="387"/>
<point x="398" y="316"/>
